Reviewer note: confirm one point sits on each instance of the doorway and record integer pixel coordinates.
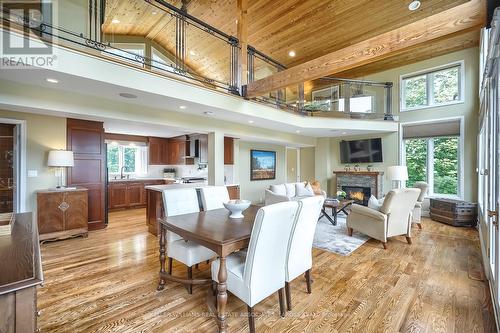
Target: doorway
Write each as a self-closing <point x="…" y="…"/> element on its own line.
<point x="8" y="168"/>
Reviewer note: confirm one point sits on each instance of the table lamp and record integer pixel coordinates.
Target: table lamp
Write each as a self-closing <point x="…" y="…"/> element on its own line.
<point x="397" y="173"/>
<point x="60" y="159"/>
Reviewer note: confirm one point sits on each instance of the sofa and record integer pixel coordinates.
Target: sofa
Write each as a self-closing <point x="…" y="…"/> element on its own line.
<point x="289" y="192"/>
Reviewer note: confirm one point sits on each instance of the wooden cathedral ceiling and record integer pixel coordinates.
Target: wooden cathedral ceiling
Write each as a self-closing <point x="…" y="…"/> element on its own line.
<point x="312" y="28"/>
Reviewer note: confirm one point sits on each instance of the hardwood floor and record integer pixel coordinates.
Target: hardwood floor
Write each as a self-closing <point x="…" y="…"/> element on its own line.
<point x="107" y="283"/>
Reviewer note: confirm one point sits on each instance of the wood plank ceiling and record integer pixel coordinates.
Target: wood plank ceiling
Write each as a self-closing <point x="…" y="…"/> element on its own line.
<point x="311" y="28"/>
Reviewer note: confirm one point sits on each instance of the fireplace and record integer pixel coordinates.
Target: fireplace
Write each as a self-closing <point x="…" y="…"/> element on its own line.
<point x="359" y="194"/>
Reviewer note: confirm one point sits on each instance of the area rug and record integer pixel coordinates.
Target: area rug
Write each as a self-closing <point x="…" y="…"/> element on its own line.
<point x="335" y="239"/>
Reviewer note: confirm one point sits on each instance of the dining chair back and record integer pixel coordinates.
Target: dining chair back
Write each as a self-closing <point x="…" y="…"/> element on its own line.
<point x="177" y="202"/>
<point x="264" y="271"/>
<point x="213" y="197"/>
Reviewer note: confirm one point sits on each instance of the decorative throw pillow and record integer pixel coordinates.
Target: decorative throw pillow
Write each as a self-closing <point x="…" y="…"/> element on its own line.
<point x="316" y="187"/>
<point x="290" y="190"/>
<point x="278" y="189"/>
<point x="304" y="190"/>
<point x="373" y="203"/>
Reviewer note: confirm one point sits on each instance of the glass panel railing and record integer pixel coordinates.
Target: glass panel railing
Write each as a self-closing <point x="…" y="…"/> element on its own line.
<point x="337" y="97"/>
<point x="153" y="35"/>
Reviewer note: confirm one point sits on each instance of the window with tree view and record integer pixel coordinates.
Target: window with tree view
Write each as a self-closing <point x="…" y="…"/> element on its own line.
<point x="435" y="161"/>
<point x="433" y="88"/>
<point x="132" y="159"/>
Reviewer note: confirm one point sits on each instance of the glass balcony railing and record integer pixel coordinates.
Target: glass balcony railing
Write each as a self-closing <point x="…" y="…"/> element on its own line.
<point x="153" y="35"/>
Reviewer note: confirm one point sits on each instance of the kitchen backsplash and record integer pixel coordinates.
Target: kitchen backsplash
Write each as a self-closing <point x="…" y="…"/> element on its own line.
<point x="181" y="171"/>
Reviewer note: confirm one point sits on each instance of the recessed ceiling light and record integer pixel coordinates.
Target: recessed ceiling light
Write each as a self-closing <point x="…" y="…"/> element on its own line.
<point x="191" y="52"/>
<point x="208" y="113"/>
<point x="154" y="12"/>
<point x="414" y="5"/>
<point x="291" y="53"/>
<point x="297" y="131"/>
<point x="127" y="95"/>
<point x="250" y="121"/>
<point x="50" y="80"/>
<point x="344" y="133"/>
<point x="182" y="107"/>
<point x="115" y="21"/>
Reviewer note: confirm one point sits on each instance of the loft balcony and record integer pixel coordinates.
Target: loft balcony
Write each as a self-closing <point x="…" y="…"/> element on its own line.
<point x="171" y="43"/>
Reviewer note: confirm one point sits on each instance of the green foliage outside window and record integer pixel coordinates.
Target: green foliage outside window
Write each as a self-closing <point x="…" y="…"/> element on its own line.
<point x="129" y="159"/>
<point x="446" y="86"/>
<point x="445" y="157"/>
<point x="416" y="91"/>
<point x="113" y="159"/>
<point x="416" y="160"/>
<point x="446" y="165"/>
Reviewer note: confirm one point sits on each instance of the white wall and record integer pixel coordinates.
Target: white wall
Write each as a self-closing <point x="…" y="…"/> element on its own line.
<point x="254" y="190"/>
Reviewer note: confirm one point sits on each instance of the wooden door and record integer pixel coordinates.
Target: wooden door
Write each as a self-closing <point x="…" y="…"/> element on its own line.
<point x="117" y="195"/>
<point x="50" y="216"/>
<point x="76" y="214"/>
<point x="134" y="193"/>
<point x="86" y="140"/>
<point x="228" y="151"/>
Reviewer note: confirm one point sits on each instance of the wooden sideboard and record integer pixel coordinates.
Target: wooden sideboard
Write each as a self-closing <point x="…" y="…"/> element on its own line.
<point x="21" y="274"/>
<point x="62" y="213"/>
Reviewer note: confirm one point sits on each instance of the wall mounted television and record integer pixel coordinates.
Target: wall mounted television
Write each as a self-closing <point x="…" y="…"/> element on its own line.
<point x="361" y="151"/>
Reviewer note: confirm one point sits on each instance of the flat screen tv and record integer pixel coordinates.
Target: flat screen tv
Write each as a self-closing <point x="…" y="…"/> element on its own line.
<point x="361" y="151"/>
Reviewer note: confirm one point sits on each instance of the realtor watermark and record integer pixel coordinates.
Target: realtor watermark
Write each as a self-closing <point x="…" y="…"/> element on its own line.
<point x="26" y="40"/>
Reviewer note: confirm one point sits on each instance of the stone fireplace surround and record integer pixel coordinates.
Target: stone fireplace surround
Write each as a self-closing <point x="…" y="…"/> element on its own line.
<point x="371" y="179"/>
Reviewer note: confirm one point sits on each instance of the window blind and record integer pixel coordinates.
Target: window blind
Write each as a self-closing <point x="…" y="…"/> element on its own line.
<point x="430" y="130"/>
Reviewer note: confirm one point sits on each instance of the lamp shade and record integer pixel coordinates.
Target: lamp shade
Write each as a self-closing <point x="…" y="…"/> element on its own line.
<point x="60" y="158"/>
<point x="397" y="172"/>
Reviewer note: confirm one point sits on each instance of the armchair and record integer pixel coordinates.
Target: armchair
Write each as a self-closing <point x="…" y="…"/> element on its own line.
<point x="393" y="219"/>
<point x="417" y="211"/>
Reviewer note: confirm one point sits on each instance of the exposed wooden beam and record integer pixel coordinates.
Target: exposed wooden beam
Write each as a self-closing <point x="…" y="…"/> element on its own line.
<point x="242" y="34"/>
<point x="468" y="16"/>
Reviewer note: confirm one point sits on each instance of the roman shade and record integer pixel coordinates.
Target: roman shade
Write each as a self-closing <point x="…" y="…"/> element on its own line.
<point x="430" y="130"/>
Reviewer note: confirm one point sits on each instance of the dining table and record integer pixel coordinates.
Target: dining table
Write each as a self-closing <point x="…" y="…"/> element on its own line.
<point x="215" y="230"/>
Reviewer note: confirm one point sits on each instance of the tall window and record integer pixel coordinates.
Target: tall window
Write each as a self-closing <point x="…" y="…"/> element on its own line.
<point x="432" y="153"/>
<point x="133" y="159"/>
<point x="432" y="88"/>
<point x="128" y="52"/>
<point x="436" y="161"/>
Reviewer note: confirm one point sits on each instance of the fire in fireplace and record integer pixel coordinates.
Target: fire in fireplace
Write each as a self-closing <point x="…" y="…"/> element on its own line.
<point x="359" y="194"/>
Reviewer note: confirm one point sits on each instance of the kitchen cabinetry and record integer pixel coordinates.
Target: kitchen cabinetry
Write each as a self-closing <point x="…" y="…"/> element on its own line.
<point x="177" y="151"/>
<point x="62" y="213"/>
<point x="203" y="149"/>
<point x="158" y="151"/>
<point x="228" y="151"/>
<point x="128" y="194"/>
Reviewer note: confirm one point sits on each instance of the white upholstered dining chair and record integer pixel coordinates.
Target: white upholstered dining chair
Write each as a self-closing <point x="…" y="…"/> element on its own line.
<point x="177" y="202"/>
<point x="299" y="253"/>
<point x="213" y="197"/>
<point x="259" y="272"/>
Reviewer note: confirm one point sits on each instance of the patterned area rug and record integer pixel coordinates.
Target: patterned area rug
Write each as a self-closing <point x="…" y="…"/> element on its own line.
<point x="335" y="239"/>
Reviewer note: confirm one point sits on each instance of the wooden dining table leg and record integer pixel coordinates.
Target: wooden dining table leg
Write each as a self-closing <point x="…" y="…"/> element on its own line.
<point x="222" y="295"/>
<point x="163" y="252"/>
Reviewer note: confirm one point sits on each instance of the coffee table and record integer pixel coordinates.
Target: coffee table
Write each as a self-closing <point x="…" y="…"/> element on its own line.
<point x="337" y="207"/>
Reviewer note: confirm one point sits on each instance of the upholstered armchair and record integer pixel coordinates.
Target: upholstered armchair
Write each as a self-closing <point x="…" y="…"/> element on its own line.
<point x="393" y="219"/>
<point x="417" y="211"/>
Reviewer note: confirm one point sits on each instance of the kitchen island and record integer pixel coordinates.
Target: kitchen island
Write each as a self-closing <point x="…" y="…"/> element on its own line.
<point x="154" y="201"/>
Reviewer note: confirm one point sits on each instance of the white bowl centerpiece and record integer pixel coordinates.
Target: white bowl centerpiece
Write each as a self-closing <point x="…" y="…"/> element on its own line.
<point x="236" y="207"/>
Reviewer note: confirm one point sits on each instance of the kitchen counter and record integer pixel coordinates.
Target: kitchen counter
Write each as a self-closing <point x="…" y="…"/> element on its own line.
<point x="112" y="180"/>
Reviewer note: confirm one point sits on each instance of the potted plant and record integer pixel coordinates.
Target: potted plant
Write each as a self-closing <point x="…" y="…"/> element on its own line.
<point x="341" y="195"/>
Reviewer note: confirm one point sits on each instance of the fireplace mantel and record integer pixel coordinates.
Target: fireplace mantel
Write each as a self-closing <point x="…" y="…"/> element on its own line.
<point x="372" y="179"/>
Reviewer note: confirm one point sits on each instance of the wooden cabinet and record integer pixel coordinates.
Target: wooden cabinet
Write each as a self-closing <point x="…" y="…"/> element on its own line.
<point x="228" y="150"/>
<point x="203" y="149"/>
<point x="177" y="150"/>
<point x="21" y="274"/>
<point x="158" y="151"/>
<point x="234" y="192"/>
<point x="129" y="194"/>
<point x="62" y="213"/>
<point x="86" y="140"/>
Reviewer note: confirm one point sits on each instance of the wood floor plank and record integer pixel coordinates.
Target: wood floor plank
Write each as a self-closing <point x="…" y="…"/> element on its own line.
<point x="107" y="283"/>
